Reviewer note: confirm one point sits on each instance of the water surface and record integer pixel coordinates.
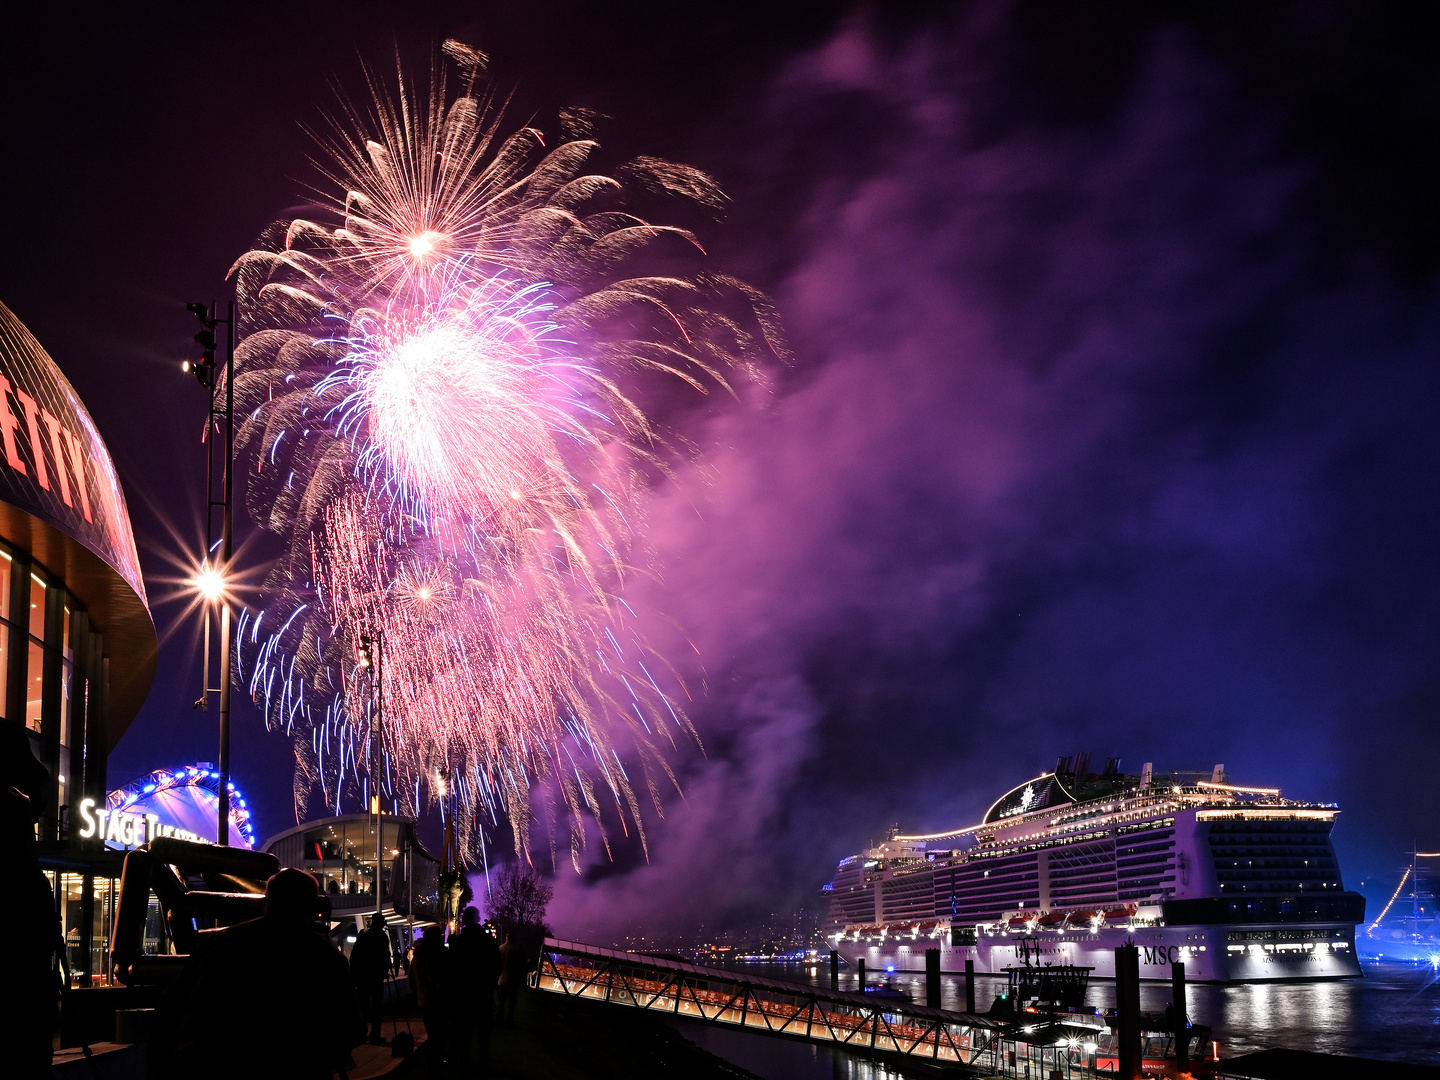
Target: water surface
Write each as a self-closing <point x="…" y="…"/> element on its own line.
<point x="1392" y="1013"/>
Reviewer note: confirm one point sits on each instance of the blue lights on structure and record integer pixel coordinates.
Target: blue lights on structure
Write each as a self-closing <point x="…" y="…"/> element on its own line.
<point x="162" y="780"/>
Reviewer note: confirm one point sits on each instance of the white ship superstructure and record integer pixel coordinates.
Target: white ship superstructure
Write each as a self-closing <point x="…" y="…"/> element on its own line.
<point x="1237" y="882"/>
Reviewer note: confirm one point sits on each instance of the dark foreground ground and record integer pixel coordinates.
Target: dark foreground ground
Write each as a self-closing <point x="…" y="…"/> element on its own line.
<point x="556" y="1038"/>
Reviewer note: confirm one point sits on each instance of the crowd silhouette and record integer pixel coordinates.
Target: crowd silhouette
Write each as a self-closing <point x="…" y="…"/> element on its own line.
<point x="275" y="997"/>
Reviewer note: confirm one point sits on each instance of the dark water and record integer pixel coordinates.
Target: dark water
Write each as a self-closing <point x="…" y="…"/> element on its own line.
<point x="1392" y="1013"/>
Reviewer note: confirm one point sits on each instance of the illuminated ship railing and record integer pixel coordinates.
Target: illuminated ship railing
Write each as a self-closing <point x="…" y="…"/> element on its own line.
<point x="853" y="1021"/>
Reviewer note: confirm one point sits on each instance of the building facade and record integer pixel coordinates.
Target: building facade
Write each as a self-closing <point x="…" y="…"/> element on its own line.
<point x="77" y="643"/>
<point x="341" y="853"/>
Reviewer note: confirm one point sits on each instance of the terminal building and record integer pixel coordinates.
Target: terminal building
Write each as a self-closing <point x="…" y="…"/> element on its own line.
<point x="77" y="643"/>
<point x="78" y="651"/>
<point x="341" y="852"/>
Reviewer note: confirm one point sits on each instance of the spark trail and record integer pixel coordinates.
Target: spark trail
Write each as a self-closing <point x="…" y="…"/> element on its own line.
<point x="441" y="381"/>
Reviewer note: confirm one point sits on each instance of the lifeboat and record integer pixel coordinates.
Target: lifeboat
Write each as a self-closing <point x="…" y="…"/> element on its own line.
<point x="1053" y="918"/>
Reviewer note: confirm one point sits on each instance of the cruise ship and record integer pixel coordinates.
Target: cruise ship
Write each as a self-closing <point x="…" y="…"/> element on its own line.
<point x="1238" y="883"/>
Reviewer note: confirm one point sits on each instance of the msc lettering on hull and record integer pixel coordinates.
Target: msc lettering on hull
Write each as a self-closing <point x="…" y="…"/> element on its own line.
<point x="1160" y="955"/>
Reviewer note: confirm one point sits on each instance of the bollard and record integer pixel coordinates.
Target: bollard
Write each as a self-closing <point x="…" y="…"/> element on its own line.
<point x="932" y="978"/>
<point x="970" y="986"/>
<point x="860" y="972"/>
<point x="1182" y="1020"/>
<point x="1127" y="1007"/>
<point x="834" y="970"/>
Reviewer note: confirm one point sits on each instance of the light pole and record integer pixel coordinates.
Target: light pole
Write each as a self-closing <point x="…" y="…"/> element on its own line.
<point x="377" y="659"/>
<point x="205" y="374"/>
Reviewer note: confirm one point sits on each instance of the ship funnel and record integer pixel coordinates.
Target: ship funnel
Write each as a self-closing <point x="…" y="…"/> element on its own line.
<point x="1218" y="776"/>
<point x="1147" y="774"/>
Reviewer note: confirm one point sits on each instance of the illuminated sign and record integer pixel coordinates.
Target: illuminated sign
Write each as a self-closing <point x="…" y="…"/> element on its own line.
<point x="1033" y="795"/>
<point x="127" y="830"/>
<point x="53" y="463"/>
<point x="181" y="802"/>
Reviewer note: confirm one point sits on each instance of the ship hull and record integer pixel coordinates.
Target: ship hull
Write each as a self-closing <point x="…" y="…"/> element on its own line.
<point x="1221" y="954"/>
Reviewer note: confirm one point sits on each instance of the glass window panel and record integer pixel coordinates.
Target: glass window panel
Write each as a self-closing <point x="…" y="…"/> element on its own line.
<point x="5" y="567"/>
<point x="4" y="658"/>
<point x="66" y="672"/>
<point x="104" y="919"/>
<point x="65" y="645"/>
<point x="72" y="899"/>
<point x="34" y="675"/>
<point x="37" y="607"/>
<point x="154" y="930"/>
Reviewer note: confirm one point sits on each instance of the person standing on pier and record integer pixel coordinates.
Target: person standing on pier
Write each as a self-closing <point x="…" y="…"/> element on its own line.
<point x="475" y="966"/>
<point x="370" y="967"/>
<point x="270" y="997"/>
<point x="512" y="975"/>
<point x="428" y="978"/>
<point x="27" y="1024"/>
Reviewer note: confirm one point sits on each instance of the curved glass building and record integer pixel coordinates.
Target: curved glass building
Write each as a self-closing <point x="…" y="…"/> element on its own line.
<point x="77" y="643"/>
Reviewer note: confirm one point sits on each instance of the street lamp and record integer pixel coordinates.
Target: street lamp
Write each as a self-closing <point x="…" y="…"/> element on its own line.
<point x="211" y="579"/>
<point x="209" y="582"/>
<point x="372" y="658"/>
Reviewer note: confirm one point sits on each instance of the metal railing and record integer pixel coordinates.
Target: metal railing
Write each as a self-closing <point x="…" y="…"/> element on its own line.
<point x="770" y="1006"/>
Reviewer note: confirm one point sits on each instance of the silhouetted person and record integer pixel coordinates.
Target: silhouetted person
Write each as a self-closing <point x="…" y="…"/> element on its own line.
<point x="398" y="962"/>
<point x="270" y="997"/>
<point x="474" y="968"/>
<point x="369" y="967"/>
<point x="428" y="977"/>
<point x="27" y="905"/>
<point x="512" y="977"/>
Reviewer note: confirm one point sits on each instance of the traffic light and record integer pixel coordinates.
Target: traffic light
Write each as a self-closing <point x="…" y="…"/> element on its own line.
<point x="204" y="368"/>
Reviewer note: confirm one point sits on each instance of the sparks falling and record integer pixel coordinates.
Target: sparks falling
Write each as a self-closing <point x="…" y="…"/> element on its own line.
<point x="442" y="389"/>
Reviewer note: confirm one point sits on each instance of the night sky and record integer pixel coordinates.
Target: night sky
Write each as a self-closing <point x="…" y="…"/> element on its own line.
<point x="1112" y="424"/>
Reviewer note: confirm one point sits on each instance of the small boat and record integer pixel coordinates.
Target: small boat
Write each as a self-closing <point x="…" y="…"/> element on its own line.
<point x="886" y="992"/>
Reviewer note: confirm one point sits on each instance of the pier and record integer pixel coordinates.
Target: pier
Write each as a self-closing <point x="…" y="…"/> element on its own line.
<point x="1074" y="1042"/>
<point x="767" y="1006"/>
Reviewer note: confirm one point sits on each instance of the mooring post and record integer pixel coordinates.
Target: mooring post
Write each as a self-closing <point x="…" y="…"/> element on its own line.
<point x="1127" y="1007"/>
<point x="932" y="978"/>
<point x="834" y="970"/>
<point x="860" y="972"/>
<point x="970" y="986"/>
<point x="1182" y="1021"/>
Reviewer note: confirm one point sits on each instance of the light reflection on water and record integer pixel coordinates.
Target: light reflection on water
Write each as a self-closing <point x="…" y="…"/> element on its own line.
<point x="1393" y="1013"/>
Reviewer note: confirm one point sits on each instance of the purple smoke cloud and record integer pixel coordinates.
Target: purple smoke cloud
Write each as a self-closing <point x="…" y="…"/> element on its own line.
<point x="1081" y="453"/>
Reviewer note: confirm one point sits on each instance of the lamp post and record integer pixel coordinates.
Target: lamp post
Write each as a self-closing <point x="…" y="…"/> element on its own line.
<point x="375" y="661"/>
<point x="205" y="373"/>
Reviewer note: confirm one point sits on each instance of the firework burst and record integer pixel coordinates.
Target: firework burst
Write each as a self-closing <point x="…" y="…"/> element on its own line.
<point x="440" y="381"/>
